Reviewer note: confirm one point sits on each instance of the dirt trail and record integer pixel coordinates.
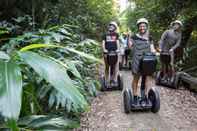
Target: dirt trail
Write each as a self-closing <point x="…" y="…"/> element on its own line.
<point x="178" y="112"/>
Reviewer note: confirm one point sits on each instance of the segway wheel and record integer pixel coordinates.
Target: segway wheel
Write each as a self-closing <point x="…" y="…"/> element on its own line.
<point x="158" y="78"/>
<point x="120" y="82"/>
<point x="154" y="97"/>
<point x="103" y="85"/>
<point x="126" y="101"/>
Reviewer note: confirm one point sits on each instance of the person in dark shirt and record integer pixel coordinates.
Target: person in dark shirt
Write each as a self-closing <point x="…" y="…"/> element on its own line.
<point x="110" y="42"/>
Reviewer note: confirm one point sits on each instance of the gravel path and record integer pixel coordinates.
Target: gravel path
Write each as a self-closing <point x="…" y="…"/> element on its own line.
<point x="178" y="112"/>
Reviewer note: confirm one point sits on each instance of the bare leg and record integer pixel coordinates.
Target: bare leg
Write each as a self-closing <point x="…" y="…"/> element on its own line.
<point x="122" y="57"/>
<point x="116" y="71"/>
<point x="148" y="85"/>
<point x="166" y="70"/>
<point x="106" y="68"/>
<point x="135" y="84"/>
<point x="135" y="89"/>
<point x="163" y="69"/>
<point x="126" y="59"/>
<point x="172" y="62"/>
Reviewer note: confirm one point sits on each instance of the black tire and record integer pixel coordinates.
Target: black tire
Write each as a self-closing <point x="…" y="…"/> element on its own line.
<point x="158" y="78"/>
<point x="103" y="85"/>
<point x="126" y="101"/>
<point x="154" y="97"/>
<point x="120" y="82"/>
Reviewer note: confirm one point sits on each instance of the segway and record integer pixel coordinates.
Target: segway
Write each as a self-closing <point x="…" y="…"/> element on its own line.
<point x="148" y="67"/>
<point x="112" y="59"/>
<point x="128" y="65"/>
<point x="165" y="77"/>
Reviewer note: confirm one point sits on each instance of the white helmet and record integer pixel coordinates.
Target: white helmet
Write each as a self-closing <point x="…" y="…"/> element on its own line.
<point x="114" y="23"/>
<point x="178" y="22"/>
<point x="142" y="20"/>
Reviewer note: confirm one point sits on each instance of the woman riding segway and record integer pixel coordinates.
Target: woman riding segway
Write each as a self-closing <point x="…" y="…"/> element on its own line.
<point x="110" y="45"/>
<point x="142" y="43"/>
<point x="143" y="66"/>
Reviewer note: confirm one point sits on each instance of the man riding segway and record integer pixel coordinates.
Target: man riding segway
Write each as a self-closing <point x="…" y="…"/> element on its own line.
<point x="169" y="42"/>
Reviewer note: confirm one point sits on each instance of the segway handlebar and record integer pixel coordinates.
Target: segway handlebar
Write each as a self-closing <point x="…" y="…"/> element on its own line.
<point x="112" y="53"/>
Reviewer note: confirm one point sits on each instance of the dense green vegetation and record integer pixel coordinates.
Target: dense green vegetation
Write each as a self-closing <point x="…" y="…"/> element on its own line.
<point x="90" y="16"/>
<point x="47" y="59"/>
<point x="47" y="64"/>
<point x="45" y="73"/>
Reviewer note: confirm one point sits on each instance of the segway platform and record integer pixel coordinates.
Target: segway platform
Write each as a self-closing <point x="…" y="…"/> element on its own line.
<point x="153" y="104"/>
<point x="142" y="105"/>
<point x="108" y="86"/>
<point x="172" y="82"/>
<point x="169" y="81"/>
<point x="147" y="67"/>
<point x="125" y="67"/>
<point x="112" y="58"/>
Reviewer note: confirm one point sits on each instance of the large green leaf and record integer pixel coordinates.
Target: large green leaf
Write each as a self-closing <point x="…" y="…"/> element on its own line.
<point x="3" y="31"/>
<point x="3" y="55"/>
<point x="73" y="69"/>
<point x="47" y="122"/>
<point x="70" y="65"/>
<point x="12" y="124"/>
<point x="83" y="54"/>
<point x="56" y="75"/>
<point x="57" y="36"/>
<point x="10" y="89"/>
<point x="35" y="46"/>
<point x="56" y="99"/>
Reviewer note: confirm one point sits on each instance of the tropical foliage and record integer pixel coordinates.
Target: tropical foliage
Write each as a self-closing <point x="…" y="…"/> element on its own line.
<point x="51" y="76"/>
<point x="48" y="66"/>
<point x="160" y="14"/>
<point x="90" y="15"/>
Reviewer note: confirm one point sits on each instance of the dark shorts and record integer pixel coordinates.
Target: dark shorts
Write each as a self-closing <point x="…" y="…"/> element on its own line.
<point x="127" y="51"/>
<point x="165" y="58"/>
<point x="110" y="60"/>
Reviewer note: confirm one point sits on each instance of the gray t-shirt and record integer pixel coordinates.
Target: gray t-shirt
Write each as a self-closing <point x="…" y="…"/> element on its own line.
<point x="141" y="45"/>
<point x="170" y="39"/>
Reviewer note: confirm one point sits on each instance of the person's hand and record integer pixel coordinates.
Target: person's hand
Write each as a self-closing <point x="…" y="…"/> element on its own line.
<point x="158" y="50"/>
<point x="105" y="51"/>
<point x="157" y="53"/>
<point x="117" y="51"/>
<point x="171" y="50"/>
